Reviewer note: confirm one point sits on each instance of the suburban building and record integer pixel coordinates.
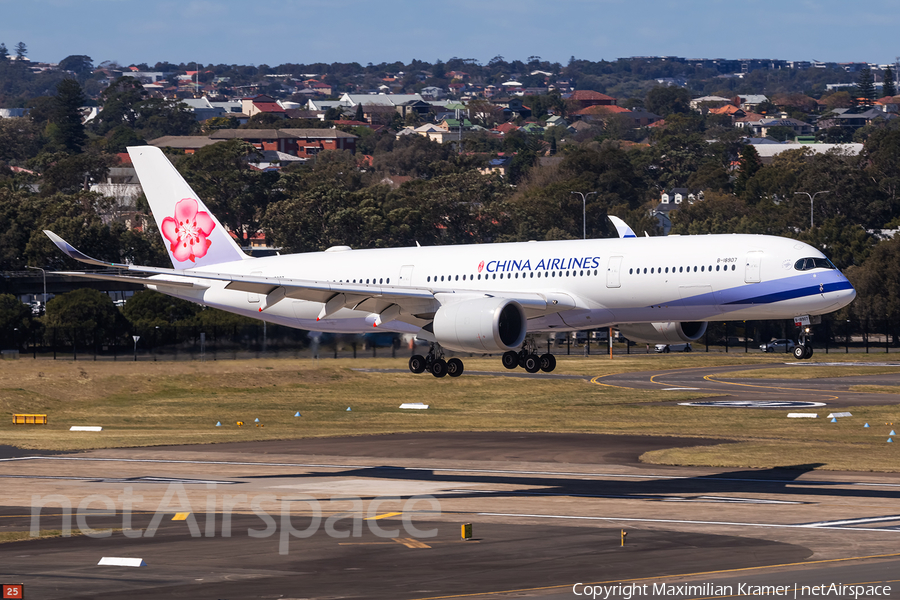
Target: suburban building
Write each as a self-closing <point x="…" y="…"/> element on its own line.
<point x="302" y="143"/>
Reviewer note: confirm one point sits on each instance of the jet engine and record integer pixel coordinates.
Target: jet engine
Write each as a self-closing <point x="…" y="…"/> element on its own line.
<point x="663" y="333"/>
<point x="482" y="325"/>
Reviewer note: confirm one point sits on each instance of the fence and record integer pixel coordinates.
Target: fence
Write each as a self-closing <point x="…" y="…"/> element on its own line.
<point x="275" y="341"/>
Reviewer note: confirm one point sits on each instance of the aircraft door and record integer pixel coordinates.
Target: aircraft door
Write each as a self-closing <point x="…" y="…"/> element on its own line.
<point x="406" y="274"/>
<point x="612" y="272"/>
<point x="752" y="267"/>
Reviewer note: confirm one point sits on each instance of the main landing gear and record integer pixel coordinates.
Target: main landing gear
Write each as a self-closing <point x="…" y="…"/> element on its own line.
<point x="528" y="359"/>
<point x="434" y="363"/>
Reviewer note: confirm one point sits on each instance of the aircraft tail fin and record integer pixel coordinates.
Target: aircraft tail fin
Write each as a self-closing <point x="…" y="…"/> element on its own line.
<point x="191" y="233"/>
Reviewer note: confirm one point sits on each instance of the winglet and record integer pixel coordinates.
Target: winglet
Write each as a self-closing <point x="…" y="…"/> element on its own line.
<point x="622" y="228"/>
<point x="73" y="252"/>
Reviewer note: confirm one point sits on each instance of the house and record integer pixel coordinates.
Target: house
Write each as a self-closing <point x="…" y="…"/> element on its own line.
<point x="511" y="105"/>
<point x="261" y="104"/>
<point x="750" y="102"/>
<point x="677" y="196"/>
<point x="499" y="165"/>
<point x="302" y="143"/>
<point x="588" y="98"/>
<point x="417" y="106"/>
<point x="854" y="118"/>
<point x="392" y="100"/>
<point x="763" y="126"/>
<point x="729" y="110"/>
<point x="432" y="93"/>
<point x="556" y="121"/>
<point x="708" y="102"/>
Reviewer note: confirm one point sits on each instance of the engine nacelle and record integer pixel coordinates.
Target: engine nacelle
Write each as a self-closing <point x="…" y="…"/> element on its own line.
<point x="482" y="325"/>
<point x="664" y="333"/>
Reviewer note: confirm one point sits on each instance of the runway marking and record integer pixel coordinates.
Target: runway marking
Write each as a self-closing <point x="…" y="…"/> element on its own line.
<point x="411" y="543"/>
<point x="446" y="470"/>
<point x="384" y="516"/>
<point x="621" y="387"/>
<point x="123" y="479"/>
<point x="853" y="521"/>
<point x="773" y="387"/>
<point x="684" y="522"/>
<point x="715" y="499"/>
<point x="674" y="576"/>
<point x="182" y="516"/>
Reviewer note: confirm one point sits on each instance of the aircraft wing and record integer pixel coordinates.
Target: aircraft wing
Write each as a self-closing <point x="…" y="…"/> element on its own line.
<point x="416" y="301"/>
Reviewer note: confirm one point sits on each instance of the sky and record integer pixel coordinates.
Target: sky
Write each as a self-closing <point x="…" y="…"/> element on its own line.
<point x="309" y="31"/>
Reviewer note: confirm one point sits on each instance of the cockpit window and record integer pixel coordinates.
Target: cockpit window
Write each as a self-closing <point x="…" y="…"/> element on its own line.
<point x="806" y="264"/>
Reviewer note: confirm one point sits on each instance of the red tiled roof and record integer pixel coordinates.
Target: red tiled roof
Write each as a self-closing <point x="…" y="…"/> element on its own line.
<point x="124" y="158"/>
<point x="506" y="127"/>
<point x="590" y="95"/>
<point x="268" y="107"/>
<point x="728" y="109"/>
<point x="602" y="109"/>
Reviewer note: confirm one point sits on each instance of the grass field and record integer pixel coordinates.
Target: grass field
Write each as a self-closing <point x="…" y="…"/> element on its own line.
<point x="158" y="403"/>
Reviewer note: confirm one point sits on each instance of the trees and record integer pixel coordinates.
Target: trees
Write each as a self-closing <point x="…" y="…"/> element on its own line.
<point x="865" y="88"/>
<point x="889" y="88"/>
<point x="666" y="100"/>
<point x="84" y="315"/>
<point x="15" y="322"/>
<point x="79" y="64"/>
<point x="66" y="128"/>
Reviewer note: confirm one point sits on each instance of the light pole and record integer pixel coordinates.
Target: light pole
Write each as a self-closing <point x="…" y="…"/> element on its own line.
<point x="584" y="212"/>
<point x="44" y="273"/>
<point x="811" y="198"/>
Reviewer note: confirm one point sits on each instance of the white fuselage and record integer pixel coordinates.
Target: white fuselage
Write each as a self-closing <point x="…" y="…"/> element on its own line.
<point x="610" y="281"/>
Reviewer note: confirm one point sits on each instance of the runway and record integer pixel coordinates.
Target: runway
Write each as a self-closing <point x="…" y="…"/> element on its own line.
<point x="831" y="391"/>
<point x="381" y="517"/>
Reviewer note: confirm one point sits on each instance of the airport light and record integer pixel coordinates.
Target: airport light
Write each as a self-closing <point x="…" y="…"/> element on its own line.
<point x="584" y="212"/>
<point x="811" y="198"/>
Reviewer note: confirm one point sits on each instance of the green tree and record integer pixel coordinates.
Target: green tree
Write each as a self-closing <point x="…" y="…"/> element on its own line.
<point x="21" y="51"/>
<point x="77" y="63"/>
<point x="781" y="133"/>
<point x="666" y="100"/>
<point x="15" y="322"/>
<point x="148" y="309"/>
<point x="750" y="164"/>
<point x="877" y="283"/>
<point x="889" y="88"/>
<point x="19" y="139"/>
<point x="359" y="113"/>
<point x="66" y="128"/>
<point x="865" y="88"/>
<point x="4" y="53"/>
<point x="84" y="315"/>
<point x="69" y="173"/>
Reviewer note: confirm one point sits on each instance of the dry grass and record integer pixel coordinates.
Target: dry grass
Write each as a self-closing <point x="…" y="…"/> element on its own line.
<point x="144" y="404"/>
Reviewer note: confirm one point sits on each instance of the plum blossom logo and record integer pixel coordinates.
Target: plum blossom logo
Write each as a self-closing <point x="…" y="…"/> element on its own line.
<point x="480" y="266"/>
<point x="188" y="232"/>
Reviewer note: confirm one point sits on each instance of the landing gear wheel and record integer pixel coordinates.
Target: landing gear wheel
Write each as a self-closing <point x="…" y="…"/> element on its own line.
<point x="548" y="362"/>
<point x="439" y="368"/>
<point x="510" y="359"/>
<point x="808" y="353"/>
<point x="417" y="363"/>
<point x="532" y="363"/>
<point x="454" y="367"/>
<point x="799" y="352"/>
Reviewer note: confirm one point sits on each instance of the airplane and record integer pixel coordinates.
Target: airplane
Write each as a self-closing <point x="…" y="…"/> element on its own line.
<point x="482" y="298"/>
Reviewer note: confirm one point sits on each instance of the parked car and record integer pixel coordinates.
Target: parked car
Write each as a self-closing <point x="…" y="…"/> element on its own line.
<point x="783" y="346"/>
<point x="673" y="348"/>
